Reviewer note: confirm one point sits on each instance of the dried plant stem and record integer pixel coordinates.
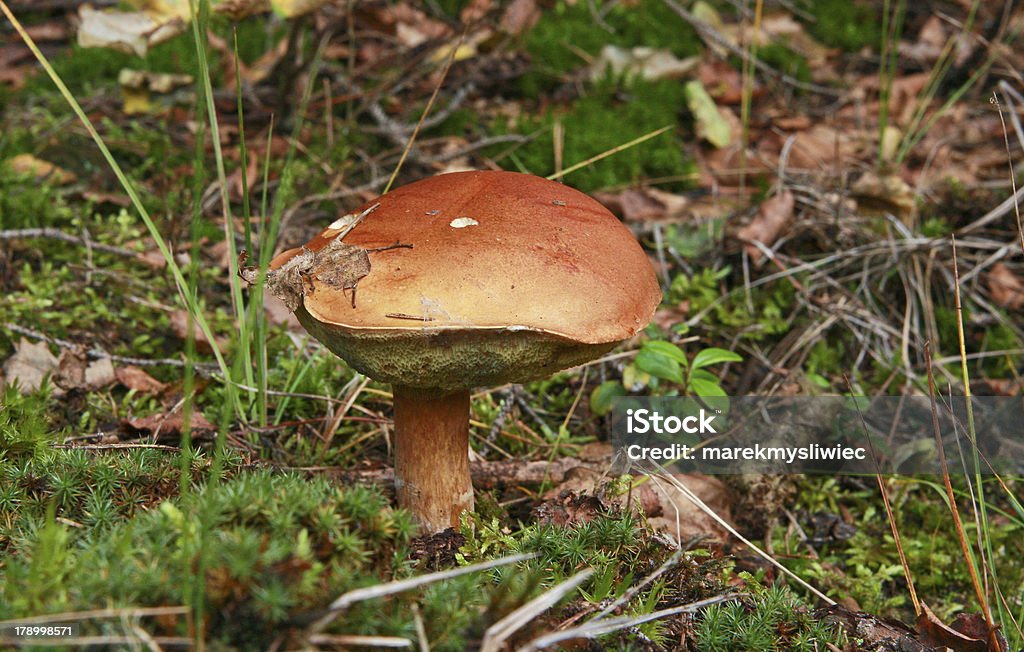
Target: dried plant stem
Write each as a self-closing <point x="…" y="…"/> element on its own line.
<point x="951" y="496"/>
<point x="426" y="111"/>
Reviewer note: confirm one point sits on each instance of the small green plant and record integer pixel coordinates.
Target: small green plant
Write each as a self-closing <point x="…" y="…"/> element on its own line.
<point x="770" y="618"/>
<point x="667" y="361"/>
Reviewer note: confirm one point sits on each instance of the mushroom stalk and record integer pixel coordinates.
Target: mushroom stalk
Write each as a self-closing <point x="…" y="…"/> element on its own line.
<point x="432" y="456"/>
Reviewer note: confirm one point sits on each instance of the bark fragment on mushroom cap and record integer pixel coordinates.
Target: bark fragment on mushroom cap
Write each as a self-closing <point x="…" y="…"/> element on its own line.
<point x="501" y="253"/>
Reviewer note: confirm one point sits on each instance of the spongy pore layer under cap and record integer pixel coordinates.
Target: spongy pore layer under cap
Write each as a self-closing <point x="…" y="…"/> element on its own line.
<point x="495" y="251"/>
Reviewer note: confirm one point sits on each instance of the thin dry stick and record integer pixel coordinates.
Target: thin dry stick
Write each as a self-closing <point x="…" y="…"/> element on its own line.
<point x="381" y="590"/>
<point x="888" y="510"/>
<point x="97" y="354"/>
<point x="498" y="633"/>
<point x="1009" y="159"/>
<point x="356" y="640"/>
<point x="426" y="110"/>
<point x="702" y="506"/>
<point x="614" y="150"/>
<point x="57" y="234"/>
<point x="601" y="626"/>
<point x="957" y="523"/>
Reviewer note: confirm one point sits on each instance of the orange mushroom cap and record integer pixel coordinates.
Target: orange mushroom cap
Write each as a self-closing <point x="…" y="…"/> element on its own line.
<point x="510" y="277"/>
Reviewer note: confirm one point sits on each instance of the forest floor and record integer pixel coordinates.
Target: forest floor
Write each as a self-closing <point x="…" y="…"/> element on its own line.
<point x="825" y="189"/>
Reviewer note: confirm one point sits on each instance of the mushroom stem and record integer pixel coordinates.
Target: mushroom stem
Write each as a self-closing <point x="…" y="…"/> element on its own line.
<point x="432" y="456"/>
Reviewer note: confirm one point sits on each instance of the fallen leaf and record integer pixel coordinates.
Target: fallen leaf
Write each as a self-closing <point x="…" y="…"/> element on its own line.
<point x="710" y="123"/>
<point x="71" y="369"/>
<point x="773" y="217"/>
<point x="137" y="379"/>
<point x="132" y="32"/>
<point x="167" y="426"/>
<point x="584" y="494"/>
<point x="76" y="372"/>
<point x="100" y="373"/>
<point x="43" y="170"/>
<point x="643" y="204"/>
<point x="904" y="96"/>
<point x="722" y="81"/>
<point x="666" y="318"/>
<point x="643" y="62"/>
<point x="886" y="193"/>
<point x="936" y="633"/>
<point x="30" y="366"/>
<point x="974" y="626"/>
<point x="1006" y="288"/>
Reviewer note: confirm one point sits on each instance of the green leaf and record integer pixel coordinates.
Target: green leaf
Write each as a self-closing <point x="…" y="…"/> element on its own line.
<point x="659" y="365"/>
<point x="666" y="349"/>
<point x="601" y="397"/>
<point x="711" y="356"/>
<point x="704" y="387"/>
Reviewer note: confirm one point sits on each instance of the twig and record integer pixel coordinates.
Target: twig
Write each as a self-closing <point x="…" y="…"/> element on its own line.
<point x="602" y="626"/>
<point x="382" y="590"/>
<point x="57" y="234"/>
<point x="98" y="354"/>
<point x="353" y="640"/>
<point x="501" y="631"/>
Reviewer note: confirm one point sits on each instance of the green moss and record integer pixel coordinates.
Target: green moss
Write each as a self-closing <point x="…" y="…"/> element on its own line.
<point x="566" y="30"/>
<point x="771" y="618"/>
<point x="846" y="24"/>
<point x="603" y="119"/>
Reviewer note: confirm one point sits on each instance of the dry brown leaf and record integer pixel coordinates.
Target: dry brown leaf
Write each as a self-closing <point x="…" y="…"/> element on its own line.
<point x="936" y="633"/>
<point x="666" y="318"/>
<point x="76" y="372"/>
<point x="43" y="170"/>
<point x="903" y="98"/>
<point x="100" y="373"/>
<point x="773" y="217"/>
<point x="137" y="379"/>
<point x="582" y="495"/>
<point x="1006" y="288"/>
<point x="886" y="193"/>
<point x="722" y="81"/>
<point x="71" y="368"/>
<point x="30" y="365"/>
<point x="167" y="426"/>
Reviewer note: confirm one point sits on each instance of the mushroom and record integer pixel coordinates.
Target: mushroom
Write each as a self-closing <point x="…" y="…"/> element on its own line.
<point x="500" y="277"/>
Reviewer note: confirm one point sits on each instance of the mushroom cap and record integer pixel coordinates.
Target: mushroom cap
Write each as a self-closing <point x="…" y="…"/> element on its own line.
<point x="510" y="277"/>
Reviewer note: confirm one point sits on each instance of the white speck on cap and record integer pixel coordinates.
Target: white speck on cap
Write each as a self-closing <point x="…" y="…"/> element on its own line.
<point x="462" y="222"/>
